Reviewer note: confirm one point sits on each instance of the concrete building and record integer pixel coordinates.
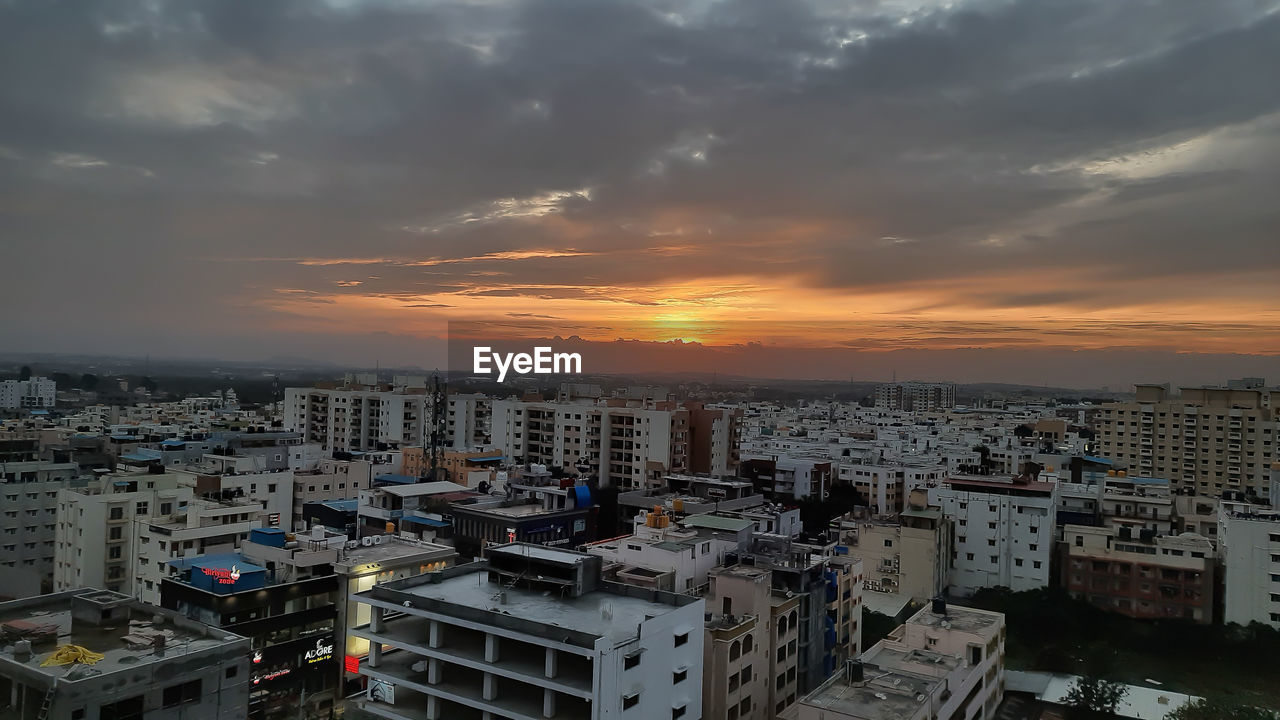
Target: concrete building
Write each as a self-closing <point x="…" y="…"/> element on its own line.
<point x="95" y="542"/>
<point x="714" y="436"/>
<point x="330" y="480"/>
<point x="28" y="525"/>
<point x="945" y="662"/>
<point x="397" y="504"/>
<point x="783" y="478"/>
<point x="530" y="633"/>
<point x="1213" y="441"/>
<point x="203" y="527"/>
<point x="739" y="677"/>
<point x="156" y="664"/>
<point x="886" y="487"/>
<point x="1249" y="538"/>
<point x="905" y="557"/>
<point x="666" y="556"/>
<point x="360" y="416"/>
<point x="536" y="509"/>
<point x="467" y="421"/>
<point x="35" y="393"/>
<point x="915" y="396"/>
<point x="1004" y="531"/>
<point x="1171" y="576"/>
<point x="685" y="495"/>
<point x="627" y="444"/>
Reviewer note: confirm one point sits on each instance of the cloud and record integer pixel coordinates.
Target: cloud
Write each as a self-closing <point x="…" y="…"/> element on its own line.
<point x="1060" y="169"/>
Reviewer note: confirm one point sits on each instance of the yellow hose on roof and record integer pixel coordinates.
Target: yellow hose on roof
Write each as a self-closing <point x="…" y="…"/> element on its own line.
<point x="68" y="654"/>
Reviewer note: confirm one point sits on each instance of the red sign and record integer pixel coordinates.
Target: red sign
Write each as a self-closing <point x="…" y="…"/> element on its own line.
<point x="222" y="575"/>
<point x="351" y="663"/>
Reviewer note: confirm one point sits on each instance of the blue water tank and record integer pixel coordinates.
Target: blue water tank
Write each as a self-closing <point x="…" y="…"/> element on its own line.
<point x="272" y="537"/>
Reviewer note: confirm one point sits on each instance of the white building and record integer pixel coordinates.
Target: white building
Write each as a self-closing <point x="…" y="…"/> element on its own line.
<point x="29" y="490"/>
<point x="915" y="396"/>
<point x="683" y="556"/>
<point x="1249" y="541"/>
<point x="1004" y="531"/>
<point x="467" y="423"/>
<point x="358" y="417"/>
<point x="945" y="662"/>
<point x="38" y="392"/>
<point x="530" y="633"/>
<point x="202" y="527"/>
<point x="95" y="544"/>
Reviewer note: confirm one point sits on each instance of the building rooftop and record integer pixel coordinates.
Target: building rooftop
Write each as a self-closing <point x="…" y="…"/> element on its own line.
<point x="957" y="618"/>
<point x="716" y="522"/>
<point x="426" y="488"/>
<point x="598" y="613"/>
<point x="126" y="637"/>
<point x="885" y="695"/>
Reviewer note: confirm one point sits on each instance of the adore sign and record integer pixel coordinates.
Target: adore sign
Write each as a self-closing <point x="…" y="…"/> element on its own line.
<point x="322" y="651"/>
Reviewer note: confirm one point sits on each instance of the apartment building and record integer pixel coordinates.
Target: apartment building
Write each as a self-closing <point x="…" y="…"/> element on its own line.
<point x="28" y="522"/>
<point x="1209" y="440"/>
<point x="667" y="556"/>
<point x="904" y="556"/>
<point x="686" y="495"/>
<point x="784" y="478"/>
<point x="202" y="527"/>
<point x="628" y="444"/>
<point x="1249" y="538"/>
<point x="245" y="477"/>
<point x="31" y="394"/>
<point x="739" y="675"/>
<point x="886" y="487"/>
<point x="330" y="480"/>
<point x="467" y="421"/>
<point x="915" y="396"/>
<point x="945" y="662"/>
<point x="396" y="504"/>
<point x="361" y="414"/>
<point x="536" y="509"/>
<point x="95" y="542"/>
<point x="155" y="664"/>
<point x="1004" y="530"/>
<point x="714" y="435"/>
<point x="529" y="633"/>
<point x="284" y="600"/>
<point x="1171" y="576"/>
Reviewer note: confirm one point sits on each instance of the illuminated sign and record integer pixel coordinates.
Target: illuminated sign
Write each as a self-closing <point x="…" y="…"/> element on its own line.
<point x="222" y="575"/>
<point x="351" y="663"/>
<point x="271" y="675"/>
<point x="322" y="651"/>
<point x="257" y="656"/>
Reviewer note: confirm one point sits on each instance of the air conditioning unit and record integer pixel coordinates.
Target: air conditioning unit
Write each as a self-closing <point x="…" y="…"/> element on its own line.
<point x="366" y="541"/>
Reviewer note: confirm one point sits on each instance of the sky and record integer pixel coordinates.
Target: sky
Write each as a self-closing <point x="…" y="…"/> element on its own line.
<point x="1044" y="191"/>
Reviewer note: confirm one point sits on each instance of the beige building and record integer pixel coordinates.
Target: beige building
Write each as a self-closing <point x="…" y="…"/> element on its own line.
<point x="904" y="555"/>
<point x="1210" y="439"/>
<point x="737" y="668"/>
<point x="1118" y="570"/>
<point x="944" y="663"/>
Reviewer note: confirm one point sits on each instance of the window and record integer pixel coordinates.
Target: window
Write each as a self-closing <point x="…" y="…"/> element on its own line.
<point x="127" y="709"/>
<point x="679" y="676"/>
<point x="677" y="712"/>
<point x="630" y="701"/>
<point x="1079" y="541"/>
<point x="1018" y="562"/>
<point x="888" y="543"/>
<point x="681" y="639"/>
<point x="181" y="694"/>
<point x="115" y="533"/>
<point x="1035" y="564"/>
<point x="114" y="553"/>
<point x="117" y="513"/>
<point x="231" y="671"/>
<point x="630" y="660"/>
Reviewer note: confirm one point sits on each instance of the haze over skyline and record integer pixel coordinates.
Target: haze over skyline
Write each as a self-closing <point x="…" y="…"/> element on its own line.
<point x="1078" y="193"/>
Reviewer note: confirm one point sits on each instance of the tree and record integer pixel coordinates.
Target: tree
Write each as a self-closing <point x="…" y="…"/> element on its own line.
<point x="88" y="381"/>
<point x="1094" y="697"/>
<point x="25" y="373"/>
<point x="1024" y="431"/>
<point x="149" y="384"/>
<point x="1205" y="709"/>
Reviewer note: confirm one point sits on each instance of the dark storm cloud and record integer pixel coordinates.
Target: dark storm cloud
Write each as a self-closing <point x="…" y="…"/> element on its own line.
<point x="1053" y="146"/>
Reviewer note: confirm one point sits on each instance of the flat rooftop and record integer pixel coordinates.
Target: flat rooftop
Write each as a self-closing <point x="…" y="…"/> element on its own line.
<point x="426" y="488"/>
<point x="957" y="618"/>
<point x="391" y="550"/>
<point x="598" y="613"/>
<point x="47" y="621"/>
<point x="886" y="695"/>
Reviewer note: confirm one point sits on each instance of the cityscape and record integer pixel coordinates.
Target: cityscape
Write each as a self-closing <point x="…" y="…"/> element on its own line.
<point x="639" y="360"/>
